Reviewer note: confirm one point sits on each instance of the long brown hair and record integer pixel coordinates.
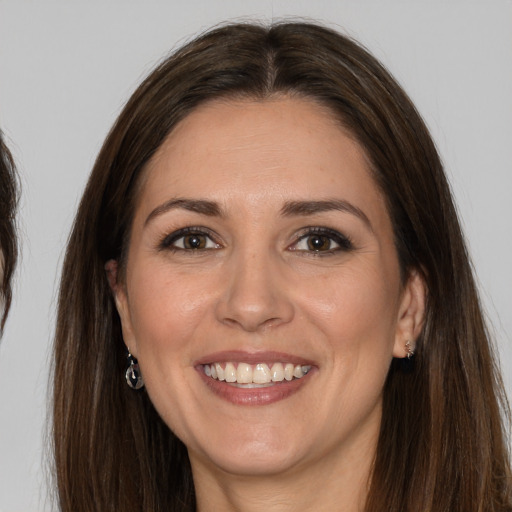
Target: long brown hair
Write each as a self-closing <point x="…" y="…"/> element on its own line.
<point x="8" y="238"/>
<point x="442" y="443"/>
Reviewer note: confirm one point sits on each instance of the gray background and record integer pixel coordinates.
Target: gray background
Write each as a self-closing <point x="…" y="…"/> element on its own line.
<point x="66" y="68"/>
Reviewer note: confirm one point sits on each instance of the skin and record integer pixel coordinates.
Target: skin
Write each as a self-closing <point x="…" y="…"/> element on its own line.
<point x="257" y="286"/>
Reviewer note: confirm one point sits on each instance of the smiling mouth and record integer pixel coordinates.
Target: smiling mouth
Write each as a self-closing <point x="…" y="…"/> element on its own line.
<point x="246" y="375"/>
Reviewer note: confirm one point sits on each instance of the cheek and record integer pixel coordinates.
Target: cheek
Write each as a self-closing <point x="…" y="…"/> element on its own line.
<point x="167" y="314"/>
<point x="358" y="306"/>
<point x="165" y="310"/>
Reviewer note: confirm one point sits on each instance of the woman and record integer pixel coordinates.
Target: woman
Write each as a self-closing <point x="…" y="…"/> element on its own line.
<point x="266" y="300"/>
<point x="8" y="244"/>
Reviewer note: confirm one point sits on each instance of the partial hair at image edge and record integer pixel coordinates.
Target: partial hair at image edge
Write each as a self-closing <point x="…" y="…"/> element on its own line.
<point x="9" y="192"/>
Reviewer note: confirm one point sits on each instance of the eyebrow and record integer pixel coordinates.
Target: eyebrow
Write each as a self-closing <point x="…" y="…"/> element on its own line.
<point x="202" y="206"/>
<point x="303" y="208"/>
<point x="290" y="209"/>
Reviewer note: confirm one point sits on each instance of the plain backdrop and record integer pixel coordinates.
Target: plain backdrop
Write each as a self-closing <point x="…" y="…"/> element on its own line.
<point x="67" y="67"/>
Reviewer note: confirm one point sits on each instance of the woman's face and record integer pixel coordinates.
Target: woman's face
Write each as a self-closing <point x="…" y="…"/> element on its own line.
<point x="262" y="294"/>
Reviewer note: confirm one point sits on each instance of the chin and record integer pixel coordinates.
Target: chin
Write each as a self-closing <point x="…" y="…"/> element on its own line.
<point x="251" y="464"/>
<point x="254" y="456"/>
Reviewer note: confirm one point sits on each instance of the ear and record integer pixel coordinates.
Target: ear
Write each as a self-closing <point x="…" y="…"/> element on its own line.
<point x="121" y="299"/>
<point x="411" y="314"/>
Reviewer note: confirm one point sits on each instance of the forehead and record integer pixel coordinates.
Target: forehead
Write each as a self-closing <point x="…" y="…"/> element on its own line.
<point x="279" y="133"/>
<point x="257" y="152"/>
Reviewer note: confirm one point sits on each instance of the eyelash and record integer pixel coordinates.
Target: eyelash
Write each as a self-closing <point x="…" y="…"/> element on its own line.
<point x="342" y="241"/>
<point x="168" y="241"/>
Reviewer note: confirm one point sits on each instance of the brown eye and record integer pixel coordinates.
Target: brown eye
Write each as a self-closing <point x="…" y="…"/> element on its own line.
<point x="317" y="240"/>
<point x="188" y="240"/>
<point x="319" y="243"/>
<point x="194" y="241"/>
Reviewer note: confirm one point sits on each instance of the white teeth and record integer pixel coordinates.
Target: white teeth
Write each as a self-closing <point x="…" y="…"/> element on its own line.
<point x="230" y="372"/>
<point x="277" y="372"/>
<point x="261" y="374"/>
<point x="246" y="375"/>
<point x="220" y="371"/>
<point x="297" y="372"/>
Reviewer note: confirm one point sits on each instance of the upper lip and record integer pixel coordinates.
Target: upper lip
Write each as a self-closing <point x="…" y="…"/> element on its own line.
<point x="252" y="357"/>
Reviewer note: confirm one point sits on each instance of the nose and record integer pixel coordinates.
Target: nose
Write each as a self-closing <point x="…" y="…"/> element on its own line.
<point x="255" y="295"/>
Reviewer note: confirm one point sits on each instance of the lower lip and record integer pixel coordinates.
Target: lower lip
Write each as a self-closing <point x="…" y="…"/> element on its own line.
<point x="254" y="396"/>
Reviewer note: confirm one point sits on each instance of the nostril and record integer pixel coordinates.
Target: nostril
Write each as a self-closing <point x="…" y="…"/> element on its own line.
<point x="253" y="297"/>
<point x="252" y="325"/>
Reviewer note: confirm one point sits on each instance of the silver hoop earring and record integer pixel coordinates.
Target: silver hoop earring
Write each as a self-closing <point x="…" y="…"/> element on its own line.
<point x="133" y="375"/>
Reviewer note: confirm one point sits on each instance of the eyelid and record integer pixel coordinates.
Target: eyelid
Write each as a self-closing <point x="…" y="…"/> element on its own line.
<point x="343" y="241"/>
